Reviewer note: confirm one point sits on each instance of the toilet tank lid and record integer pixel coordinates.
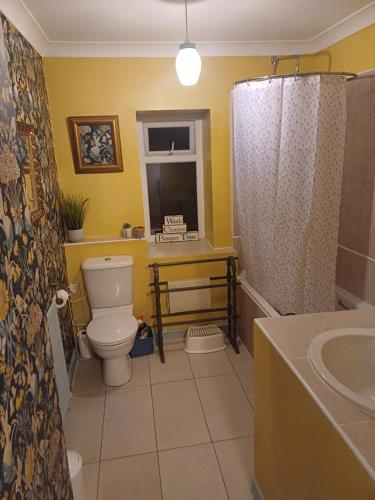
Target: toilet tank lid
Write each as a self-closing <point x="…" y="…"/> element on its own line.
<point x="110" y="262"/>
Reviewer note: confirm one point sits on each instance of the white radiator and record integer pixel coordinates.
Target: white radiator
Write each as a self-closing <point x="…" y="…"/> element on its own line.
<point x="62" y="379"/>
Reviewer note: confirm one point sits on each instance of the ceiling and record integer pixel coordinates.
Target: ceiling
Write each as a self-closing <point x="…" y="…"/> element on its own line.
<point x="154" y="27"/>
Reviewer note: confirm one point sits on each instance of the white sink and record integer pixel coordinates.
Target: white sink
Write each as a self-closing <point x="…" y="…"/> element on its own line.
<point x="345" y="360"/>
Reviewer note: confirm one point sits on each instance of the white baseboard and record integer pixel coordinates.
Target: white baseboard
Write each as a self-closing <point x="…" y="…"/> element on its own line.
<point x="73" y="368"/>
<point x="255" y="488"/>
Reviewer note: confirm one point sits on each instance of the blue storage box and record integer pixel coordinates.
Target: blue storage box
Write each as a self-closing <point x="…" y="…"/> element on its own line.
<point x="142" y="347"/>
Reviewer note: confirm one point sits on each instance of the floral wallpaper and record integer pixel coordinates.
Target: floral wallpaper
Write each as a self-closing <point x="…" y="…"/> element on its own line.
<point x="33" y="462"/>
<point x="31" y="103"/>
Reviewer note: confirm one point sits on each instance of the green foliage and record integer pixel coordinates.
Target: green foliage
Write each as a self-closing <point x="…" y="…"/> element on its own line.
<point x="74" y="210"/>
<point x="126" y="225"/>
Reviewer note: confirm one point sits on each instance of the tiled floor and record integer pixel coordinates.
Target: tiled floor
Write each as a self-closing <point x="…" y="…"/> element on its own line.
<point x="182" y="430"/>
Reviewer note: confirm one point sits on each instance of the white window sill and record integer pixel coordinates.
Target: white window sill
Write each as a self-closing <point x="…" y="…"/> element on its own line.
<point x="104" y="239"/>
<point x="184" y="249"/>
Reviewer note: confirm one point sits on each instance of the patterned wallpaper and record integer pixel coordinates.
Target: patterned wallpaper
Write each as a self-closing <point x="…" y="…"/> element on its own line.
<point x="32" y="458"/>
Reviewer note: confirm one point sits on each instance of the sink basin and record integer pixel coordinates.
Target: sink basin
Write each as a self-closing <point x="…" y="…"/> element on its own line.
<point x="345" y="360"/>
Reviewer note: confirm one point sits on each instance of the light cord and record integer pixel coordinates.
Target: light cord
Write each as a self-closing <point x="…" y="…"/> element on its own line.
<point x="186" y="23"/>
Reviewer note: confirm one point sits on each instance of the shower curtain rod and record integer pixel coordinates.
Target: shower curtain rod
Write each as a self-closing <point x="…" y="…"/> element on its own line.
<point x="296" y="75"/>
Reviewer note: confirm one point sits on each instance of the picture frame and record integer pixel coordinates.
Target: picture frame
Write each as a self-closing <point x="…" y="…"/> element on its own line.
<point x="28" y="154"/>
<point x="96" y="144"/>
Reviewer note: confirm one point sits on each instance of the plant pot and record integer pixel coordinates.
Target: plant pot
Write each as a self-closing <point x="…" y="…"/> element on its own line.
<point x="139" y="232"/>
<point x="75" y="235"/>
<point x="127" y="232"/>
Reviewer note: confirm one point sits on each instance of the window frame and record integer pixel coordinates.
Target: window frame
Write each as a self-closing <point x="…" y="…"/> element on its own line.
<point x="196" y="139"/>
<point x="169" y="124"/>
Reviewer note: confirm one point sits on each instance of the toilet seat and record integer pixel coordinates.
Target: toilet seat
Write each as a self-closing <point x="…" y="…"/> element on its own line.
<point x="112" y="328"/>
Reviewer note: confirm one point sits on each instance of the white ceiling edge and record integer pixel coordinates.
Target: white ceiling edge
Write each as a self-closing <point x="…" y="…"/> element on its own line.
<point x="22" y="18"/>
<point x="170" y="49"/>
<point x="351" y="24"/>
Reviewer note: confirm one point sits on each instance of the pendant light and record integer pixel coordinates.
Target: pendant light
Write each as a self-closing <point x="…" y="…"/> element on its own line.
<point x="188" y="60"/>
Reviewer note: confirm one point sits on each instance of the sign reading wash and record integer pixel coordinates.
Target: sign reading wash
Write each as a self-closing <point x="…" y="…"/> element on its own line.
<point x="174" y="229"/>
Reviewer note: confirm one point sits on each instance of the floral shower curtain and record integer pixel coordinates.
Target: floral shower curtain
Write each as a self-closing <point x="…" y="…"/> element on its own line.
<point x="289" y="137"/>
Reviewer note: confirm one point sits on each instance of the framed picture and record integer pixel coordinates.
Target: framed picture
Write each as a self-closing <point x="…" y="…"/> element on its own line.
<point x="95" y="142"/>
<point x="27" y="152"/>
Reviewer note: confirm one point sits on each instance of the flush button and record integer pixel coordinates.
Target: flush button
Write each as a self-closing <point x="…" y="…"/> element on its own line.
<point x="107" y="258"/>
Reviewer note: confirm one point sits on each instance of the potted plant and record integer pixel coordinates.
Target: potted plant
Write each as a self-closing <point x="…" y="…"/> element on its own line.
<point x="127" y="230"/>
<point x="74" y="210"/>
<point x="139" y="232"/>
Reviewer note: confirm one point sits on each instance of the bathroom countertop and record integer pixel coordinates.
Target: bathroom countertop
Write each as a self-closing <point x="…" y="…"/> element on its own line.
<point x="291" y="337"/>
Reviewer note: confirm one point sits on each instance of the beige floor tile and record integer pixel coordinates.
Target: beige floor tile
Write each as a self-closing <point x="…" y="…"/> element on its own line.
<point x="131" y="478"/>
<point x="141" y="375"/>
<point x="209" y="364"/>
<point x="340" y="408"/>
<point x="128" y="423"/>
<point x="236" y="459"/>
<point x="227" y="410"/>
<point x="83" y="426"/>
<point x="90" y="473"/>
<point x="88" y="378"/>
<point x="191" y="474"/>
<point x="176" y="367"/>
<point x="172" y="346"/>
<point x="179" y="420"/>
<point x="247" y="382"/>
<point x="241" y="362"/>
<point x="362" y="434"/>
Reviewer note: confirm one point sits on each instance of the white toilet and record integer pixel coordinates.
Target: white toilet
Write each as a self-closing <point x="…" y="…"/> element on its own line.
<point x="112" y="331"/>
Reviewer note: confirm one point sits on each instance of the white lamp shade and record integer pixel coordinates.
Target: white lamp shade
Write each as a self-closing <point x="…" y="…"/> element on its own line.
<point x="188" y="64"/>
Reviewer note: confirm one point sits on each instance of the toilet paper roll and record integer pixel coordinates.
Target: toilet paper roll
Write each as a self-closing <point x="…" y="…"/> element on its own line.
<point x="73" y="287"/>
<point x="62" y="297"/>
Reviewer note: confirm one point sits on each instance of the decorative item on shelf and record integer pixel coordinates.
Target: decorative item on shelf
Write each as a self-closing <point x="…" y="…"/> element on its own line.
<point x="127" y="230"/>
<point x="139" y="232"/>
<point x="191" y="236"/>
<point x="173" y="219"/>
<point x="174" y="230"/>
<point x="74" y="211"/>
<point x="95" y="142"/>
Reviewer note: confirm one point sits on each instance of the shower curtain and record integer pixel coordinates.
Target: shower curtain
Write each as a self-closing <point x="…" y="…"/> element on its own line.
<point x="288" y="140"/>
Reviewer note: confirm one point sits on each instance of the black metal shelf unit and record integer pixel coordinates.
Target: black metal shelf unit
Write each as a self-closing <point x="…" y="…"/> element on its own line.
<point x="229" y="281"/>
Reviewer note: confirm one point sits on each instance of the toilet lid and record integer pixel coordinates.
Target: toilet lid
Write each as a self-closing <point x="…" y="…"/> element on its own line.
<point x="112" y="328"/>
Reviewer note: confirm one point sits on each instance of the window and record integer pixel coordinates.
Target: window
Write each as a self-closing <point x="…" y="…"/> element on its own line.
<point x="172" y="174"/>
<point x="163" y="138"/>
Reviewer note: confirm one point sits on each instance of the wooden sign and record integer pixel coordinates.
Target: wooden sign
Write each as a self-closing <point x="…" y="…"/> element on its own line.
<point x="174" y="228"/>
<point x="191" y="236"/>
<point x="173" y="219"/>
<point x="168" y="238"/>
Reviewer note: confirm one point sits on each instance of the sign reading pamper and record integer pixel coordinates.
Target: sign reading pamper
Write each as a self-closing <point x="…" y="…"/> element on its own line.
<point x="174" y="229"/>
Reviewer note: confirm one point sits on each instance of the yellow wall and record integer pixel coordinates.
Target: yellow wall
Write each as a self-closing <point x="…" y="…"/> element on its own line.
<point x="143" y="301"/>
<point x="298" y="453"/>
<point x="123" y="86"/>
<point x="355" y="53"/>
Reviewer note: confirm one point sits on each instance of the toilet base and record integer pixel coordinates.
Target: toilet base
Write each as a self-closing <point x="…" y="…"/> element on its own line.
<point x="117" y="371"/>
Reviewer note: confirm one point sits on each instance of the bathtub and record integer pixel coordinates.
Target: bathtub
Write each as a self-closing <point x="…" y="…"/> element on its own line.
<point x="252" y="305"/>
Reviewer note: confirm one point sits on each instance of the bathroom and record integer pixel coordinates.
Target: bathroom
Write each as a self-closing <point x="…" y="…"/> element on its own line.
<point x="259" y="423"/>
